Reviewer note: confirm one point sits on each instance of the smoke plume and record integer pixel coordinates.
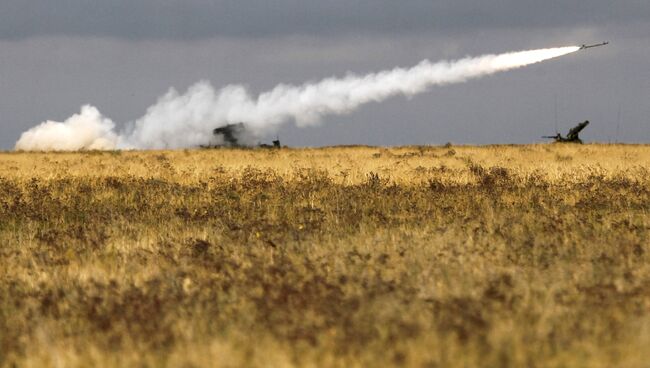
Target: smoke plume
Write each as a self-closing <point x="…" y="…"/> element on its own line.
<point x="187" y="120"/>
<point x="86" y="130"/>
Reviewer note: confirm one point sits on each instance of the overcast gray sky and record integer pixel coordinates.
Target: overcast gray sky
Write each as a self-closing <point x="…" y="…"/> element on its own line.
<point x="121" y="55"/>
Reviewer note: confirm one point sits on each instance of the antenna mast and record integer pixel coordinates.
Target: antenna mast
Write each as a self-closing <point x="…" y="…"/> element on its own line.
<point x="556" y="131"/>
<point x="618" y="122"/>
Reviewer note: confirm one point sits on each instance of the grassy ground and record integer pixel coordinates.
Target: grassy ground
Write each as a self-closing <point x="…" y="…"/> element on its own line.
<point x="533" y="256"/>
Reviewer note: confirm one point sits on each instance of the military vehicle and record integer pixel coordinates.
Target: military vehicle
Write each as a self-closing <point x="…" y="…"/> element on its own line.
<point x="572" y="137"/>
<point x="276" y="144"/>
<point x="231" y="134"/>
<point x="236" y="135"/>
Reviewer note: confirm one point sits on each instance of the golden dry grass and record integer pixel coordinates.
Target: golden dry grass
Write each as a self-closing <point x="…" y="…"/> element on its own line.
<point x="353" y="256"/>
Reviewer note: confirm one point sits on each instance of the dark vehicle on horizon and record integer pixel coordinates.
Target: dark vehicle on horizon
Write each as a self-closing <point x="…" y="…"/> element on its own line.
<point x="231" y="134"/>
<point x="572" y="137"/>
<point x="238" y="136"/>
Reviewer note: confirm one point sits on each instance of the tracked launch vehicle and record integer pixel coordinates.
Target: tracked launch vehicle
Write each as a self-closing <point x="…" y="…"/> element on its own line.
<point x="236" y="135"/>
<point x="572" y="137"/>
<point x="231" y="134"/>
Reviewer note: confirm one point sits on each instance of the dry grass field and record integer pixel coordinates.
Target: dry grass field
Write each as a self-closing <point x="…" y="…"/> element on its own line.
<point x="504" y="256"/>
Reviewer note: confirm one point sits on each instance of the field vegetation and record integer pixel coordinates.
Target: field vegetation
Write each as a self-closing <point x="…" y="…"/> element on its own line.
<point x="498" y="256"/>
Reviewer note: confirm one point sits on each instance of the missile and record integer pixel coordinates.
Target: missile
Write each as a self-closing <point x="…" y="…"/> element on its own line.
<point x="583" y="47"/>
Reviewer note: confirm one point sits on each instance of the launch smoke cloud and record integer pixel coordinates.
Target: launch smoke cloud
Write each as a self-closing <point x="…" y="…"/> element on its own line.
<point x="188" y="119"/>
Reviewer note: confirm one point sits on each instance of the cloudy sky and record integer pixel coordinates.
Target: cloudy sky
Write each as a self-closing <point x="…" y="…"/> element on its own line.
<point x="121" y="55"/>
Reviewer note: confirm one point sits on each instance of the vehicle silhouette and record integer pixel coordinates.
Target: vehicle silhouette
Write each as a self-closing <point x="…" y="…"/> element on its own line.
<point x="572" y="137"/>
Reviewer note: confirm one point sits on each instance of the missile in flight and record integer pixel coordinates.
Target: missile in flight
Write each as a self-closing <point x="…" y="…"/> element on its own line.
<point x="583" y="47"/>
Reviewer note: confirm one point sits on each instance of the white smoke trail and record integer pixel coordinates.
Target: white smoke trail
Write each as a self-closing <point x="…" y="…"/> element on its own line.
<point x="187" y="120"/>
